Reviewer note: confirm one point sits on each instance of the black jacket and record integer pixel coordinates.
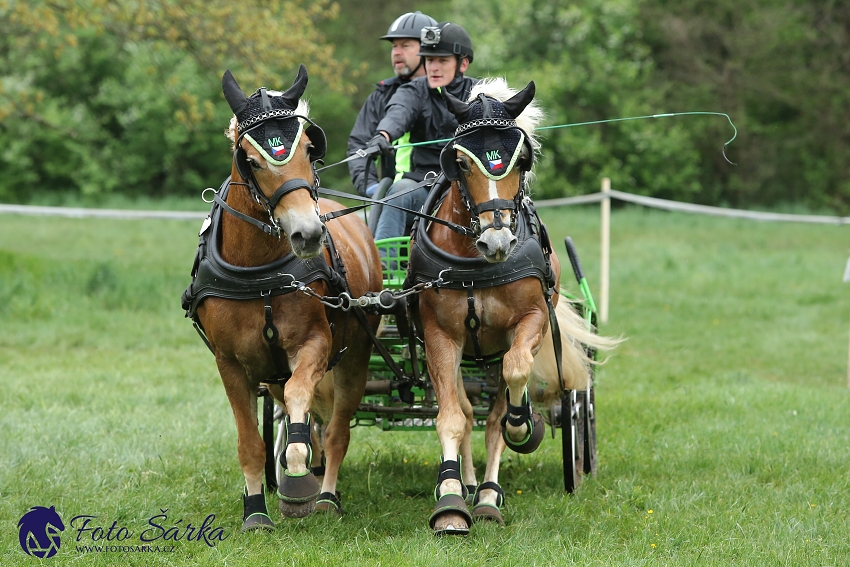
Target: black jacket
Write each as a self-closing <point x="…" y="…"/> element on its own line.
<point x="421" y="110"/>
<point x="364" y="129"/>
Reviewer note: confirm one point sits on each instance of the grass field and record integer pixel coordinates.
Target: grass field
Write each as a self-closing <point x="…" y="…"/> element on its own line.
<point x="723" y="426"/>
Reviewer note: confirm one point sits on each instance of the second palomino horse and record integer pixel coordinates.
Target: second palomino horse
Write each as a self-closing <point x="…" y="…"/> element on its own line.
<point x="500" y="287"/>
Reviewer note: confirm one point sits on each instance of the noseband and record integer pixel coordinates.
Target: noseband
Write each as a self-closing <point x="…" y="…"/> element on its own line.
<point x="495" y="205"/>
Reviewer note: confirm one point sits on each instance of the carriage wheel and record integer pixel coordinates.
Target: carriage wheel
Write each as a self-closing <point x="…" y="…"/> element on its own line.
<point x="589" y="403"/>
<point x="572" y="439"/>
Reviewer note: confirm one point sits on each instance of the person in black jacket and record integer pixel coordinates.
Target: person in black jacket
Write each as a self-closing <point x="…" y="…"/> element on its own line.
<point x="404" y="34"/>
<point x="418" y="107"/>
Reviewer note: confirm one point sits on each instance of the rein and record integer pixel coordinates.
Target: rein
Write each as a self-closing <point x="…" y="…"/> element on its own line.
<point x="431" y="181"/>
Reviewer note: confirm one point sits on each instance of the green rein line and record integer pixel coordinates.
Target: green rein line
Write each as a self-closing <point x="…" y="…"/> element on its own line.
<point x="666" y="115"/>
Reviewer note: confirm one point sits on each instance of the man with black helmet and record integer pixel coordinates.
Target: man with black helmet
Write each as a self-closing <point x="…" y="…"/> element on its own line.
<point x="404" y="34"/>
<point x="418" y="107"/>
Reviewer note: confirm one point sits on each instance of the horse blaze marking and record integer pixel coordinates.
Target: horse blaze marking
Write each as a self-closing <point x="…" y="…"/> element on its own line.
<point x="494" y="192"/>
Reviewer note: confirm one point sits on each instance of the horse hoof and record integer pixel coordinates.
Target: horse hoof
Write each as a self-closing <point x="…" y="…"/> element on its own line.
<point x="329" y="503"/>
<point x="487" y="513"/>
<point x="296" y="509"/>
<point x="532" y="440"/>
<point x="450" y="516"/>
<point x="257" y="523"/>
<point x="298" y="494"/>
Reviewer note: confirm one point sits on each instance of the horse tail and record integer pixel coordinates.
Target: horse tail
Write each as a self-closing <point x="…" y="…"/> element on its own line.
<point x="576" y="340"/>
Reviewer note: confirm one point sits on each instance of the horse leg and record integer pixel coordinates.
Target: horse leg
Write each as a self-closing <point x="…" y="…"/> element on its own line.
<point x="489" y="497"/>
<point x="251" y="448"/>
<point x="298" y="486"/>
<point x="468" y="468"/>
<point x="522" y="428"/>
<point x="451" y="515"/>
<point x="349" y="386"/>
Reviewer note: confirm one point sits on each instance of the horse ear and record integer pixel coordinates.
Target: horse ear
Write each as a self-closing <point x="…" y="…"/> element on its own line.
<point x="293" y="93"/>
<point x="517" y="103"/>
<point x="234" y="95"/>
<point x="456" y="106"/>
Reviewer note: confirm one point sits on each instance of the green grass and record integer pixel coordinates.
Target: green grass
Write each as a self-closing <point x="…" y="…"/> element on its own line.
<point x="723" y="430"/>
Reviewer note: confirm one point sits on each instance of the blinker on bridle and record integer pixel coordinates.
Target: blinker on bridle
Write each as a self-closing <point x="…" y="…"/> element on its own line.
<point x="245" y="171"/>
<point x="497" y="205"/>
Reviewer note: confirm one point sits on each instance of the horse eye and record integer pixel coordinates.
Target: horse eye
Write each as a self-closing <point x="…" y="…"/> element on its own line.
<point x="463" y="164"/>
<point x="254" y="163"/>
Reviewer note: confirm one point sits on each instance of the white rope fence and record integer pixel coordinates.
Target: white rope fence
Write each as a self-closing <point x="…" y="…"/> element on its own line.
<point x="99" y="213"/>
<point x="689" y="208"/>
<point x="603" y="197"/>
<point x="591" y="198"/>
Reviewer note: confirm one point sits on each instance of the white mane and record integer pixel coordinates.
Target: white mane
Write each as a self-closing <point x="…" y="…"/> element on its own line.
<point x="528" y="120"/>
<point x="303" y="109"/>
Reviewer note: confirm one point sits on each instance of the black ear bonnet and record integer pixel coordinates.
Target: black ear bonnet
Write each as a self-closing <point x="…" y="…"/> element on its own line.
<point x="489" y="136"/>
<point x="268" y="120"/>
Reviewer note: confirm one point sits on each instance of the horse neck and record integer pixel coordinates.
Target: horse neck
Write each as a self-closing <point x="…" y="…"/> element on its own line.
<point x="243" y="244"/>
<point x="453" y="210"/>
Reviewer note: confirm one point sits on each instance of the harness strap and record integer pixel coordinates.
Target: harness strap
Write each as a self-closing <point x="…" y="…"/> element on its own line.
<point x="265" y="227"/>
<point x="271" y="334"/>
<point x="385" y="202"/>
<point x="555" y="330"/>
<point x="288" y="187"/>
<point x="379" y="346"/>
<point x="410" y="313"/>
<point x="473" y="323"/>
<point x="201" y="333"/>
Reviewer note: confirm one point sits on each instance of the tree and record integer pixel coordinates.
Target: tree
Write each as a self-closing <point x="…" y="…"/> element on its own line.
<point x="105" y="95"/>
<point x="589" y="62"/>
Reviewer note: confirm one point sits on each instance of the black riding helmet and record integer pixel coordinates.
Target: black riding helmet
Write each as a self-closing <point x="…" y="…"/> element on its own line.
<point x="444" y="40"/>
<point x="409" y="25"/>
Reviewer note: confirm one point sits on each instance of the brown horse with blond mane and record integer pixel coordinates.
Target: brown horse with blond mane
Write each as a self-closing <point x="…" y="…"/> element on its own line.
<point x="265" y="257"/>
<point x="498" y="294"/>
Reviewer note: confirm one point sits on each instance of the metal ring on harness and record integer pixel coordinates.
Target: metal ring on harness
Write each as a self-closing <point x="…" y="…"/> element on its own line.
<point x="204" y="192"/>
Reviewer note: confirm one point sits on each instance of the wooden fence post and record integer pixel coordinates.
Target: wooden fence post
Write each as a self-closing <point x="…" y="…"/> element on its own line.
<point x="606" y="252"/>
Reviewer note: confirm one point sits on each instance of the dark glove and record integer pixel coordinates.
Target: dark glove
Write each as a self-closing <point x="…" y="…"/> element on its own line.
<point x="382" y="144"/>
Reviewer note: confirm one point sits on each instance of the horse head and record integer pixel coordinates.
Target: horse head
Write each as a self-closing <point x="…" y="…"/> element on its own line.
<point x="275" y="147"/>
<point x="488" y="159"/>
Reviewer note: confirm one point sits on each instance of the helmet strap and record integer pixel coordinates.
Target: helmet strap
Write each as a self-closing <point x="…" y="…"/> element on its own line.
<point x="410" y="75"/>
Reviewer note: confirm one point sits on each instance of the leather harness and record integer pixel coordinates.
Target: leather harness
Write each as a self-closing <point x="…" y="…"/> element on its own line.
<point x="530" y="258"/>
<point x="212" y="276"/>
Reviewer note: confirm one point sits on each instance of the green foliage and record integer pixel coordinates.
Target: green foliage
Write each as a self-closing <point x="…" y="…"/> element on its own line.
<point x="780" y="71"/>
<point x="589" y="62"/>
<point x="125" y="96"/>
<point x="100" y="96"/>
